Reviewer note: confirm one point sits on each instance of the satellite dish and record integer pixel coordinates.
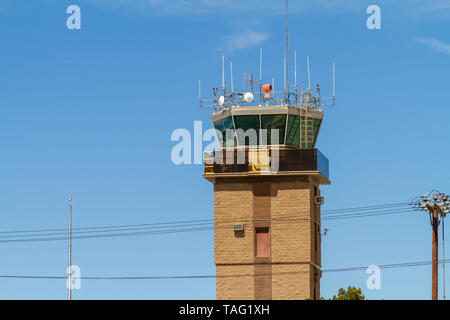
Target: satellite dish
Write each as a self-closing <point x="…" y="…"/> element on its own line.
<point x="221" y="100"/>
<point x="248" y="97"/>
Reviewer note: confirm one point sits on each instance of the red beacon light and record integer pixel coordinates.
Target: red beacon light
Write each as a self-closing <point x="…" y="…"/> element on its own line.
<point x="267" y="89"/>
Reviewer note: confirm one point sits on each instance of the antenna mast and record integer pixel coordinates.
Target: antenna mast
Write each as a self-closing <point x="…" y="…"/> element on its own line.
<point x="231" y="77"/>
<point x="232" y="84"/>
<point x="223" y="75"/>
<point x="334" y="82"/>
<point x="309" y="73"/>
<point x="295" y="68"/>
<point x="260" y="63"/>
<point x="286" y="56"/>
<point x="303" y="97"/>
<point x="69" y="269"/>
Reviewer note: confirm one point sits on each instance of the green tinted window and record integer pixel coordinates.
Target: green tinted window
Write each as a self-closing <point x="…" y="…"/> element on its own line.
<point x="226" y="132"/>
<point x="301" y="133"/>
<point x="292" y="131"/>
<point x="270" y="122"/>
<point x="312" y="128"/>
<point x="245" y="123"/>
<point x="317" y="123"/>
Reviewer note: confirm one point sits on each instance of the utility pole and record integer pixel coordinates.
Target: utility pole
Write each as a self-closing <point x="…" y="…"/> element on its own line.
<point x="434" y="277"/>
<point x="437" y="205"/>
<point x="69" y="269"/>
<point x="443" y="255"/>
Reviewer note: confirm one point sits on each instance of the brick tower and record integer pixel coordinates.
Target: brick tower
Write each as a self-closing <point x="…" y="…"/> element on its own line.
<point x="267" y="222"/>
<point x="266" y="175"/>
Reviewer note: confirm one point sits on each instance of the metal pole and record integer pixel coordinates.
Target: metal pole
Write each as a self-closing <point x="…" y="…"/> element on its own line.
<point x="309" y="73"/>
<point x="334" y="80"/>
<point x="223" y="75"/>
<point x="260" y="63"/>
<point x="70" y="250"/>
<point x="434" y="277"/>
<point x="231" y="76"/>
<point x="443" y="257"/>
<point x="295" y="68"/>
<point x="286" y="56"/>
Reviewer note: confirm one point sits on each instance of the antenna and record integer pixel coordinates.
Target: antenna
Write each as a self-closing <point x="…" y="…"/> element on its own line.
<point x="260" y="64"/>
<point x="302" y="96"/>
<point x="295" y="68"/>
<point x="223" y="74"/>
<point x="284" y="75"/>
<point x="334" y="80"/>
<point x="250" y="81"/>
<point x="231" y="71"/>
<point x="69" y="269"/>
<point x="286" y="54"/>
<point x="309" y="73"/>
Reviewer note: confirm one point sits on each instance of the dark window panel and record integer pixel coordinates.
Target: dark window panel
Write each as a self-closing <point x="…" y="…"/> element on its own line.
<point x="275" y="121"/>
<point x="245" y="123"/>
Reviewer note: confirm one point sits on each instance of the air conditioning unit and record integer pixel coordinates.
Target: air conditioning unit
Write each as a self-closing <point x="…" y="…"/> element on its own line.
<point x="318" y="200"/>
<point x="238" y="227"/>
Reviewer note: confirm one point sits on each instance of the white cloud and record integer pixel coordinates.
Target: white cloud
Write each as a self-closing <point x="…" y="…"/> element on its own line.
<point x="244" y="40"/>
<point x="435" y="44"/>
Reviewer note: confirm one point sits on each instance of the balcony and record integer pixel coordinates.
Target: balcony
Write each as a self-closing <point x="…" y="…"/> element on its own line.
<point x="267" y="161"/>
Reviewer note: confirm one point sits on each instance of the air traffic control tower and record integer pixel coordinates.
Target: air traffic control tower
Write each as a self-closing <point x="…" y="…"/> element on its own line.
<point x="266" y="175"/>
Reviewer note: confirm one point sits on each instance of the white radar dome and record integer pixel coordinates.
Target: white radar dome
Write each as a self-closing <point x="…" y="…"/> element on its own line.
<point x="221" y="100"/>
<point x="248" y="97"/>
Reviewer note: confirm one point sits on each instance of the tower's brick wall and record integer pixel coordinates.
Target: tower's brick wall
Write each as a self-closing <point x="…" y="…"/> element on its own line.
<point x="287" y="209"/>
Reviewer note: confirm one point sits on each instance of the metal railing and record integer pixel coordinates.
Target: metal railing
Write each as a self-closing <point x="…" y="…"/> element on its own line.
<point x="253" y="160"/>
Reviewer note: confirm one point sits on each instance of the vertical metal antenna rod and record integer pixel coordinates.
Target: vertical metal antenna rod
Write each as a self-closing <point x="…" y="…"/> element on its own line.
<point x="200" y="89"/>
<point x="223" y="74"/>
<point x="69" y="286"/>
<point x="309" y="74"/>
<point x="295" y="76"/>
<point x="334" y="79"/>
<point x="295" y="68"/>
<point x="443" y="256"/>
<point x="231" y="76"/>
<point x="260" y="64"/>
<point x="286" y="54"/>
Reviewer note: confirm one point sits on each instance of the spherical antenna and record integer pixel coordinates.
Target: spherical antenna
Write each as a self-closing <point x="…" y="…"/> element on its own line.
<point x="221" y="100"/>
<point x="248" y="97"/>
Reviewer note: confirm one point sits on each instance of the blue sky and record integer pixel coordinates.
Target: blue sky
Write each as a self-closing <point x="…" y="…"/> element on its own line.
<point x="88" y="114"/>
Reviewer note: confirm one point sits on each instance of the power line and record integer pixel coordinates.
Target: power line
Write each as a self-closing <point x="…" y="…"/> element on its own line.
<point x="366" y="208"/>
<point x="162" y="224"/>
<point x="368" y="214"/>
<point x="179" y="227"/>
<point x="187" y="228"/>
<point x="210" y="222"/>
<point x="349" y="269"/>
